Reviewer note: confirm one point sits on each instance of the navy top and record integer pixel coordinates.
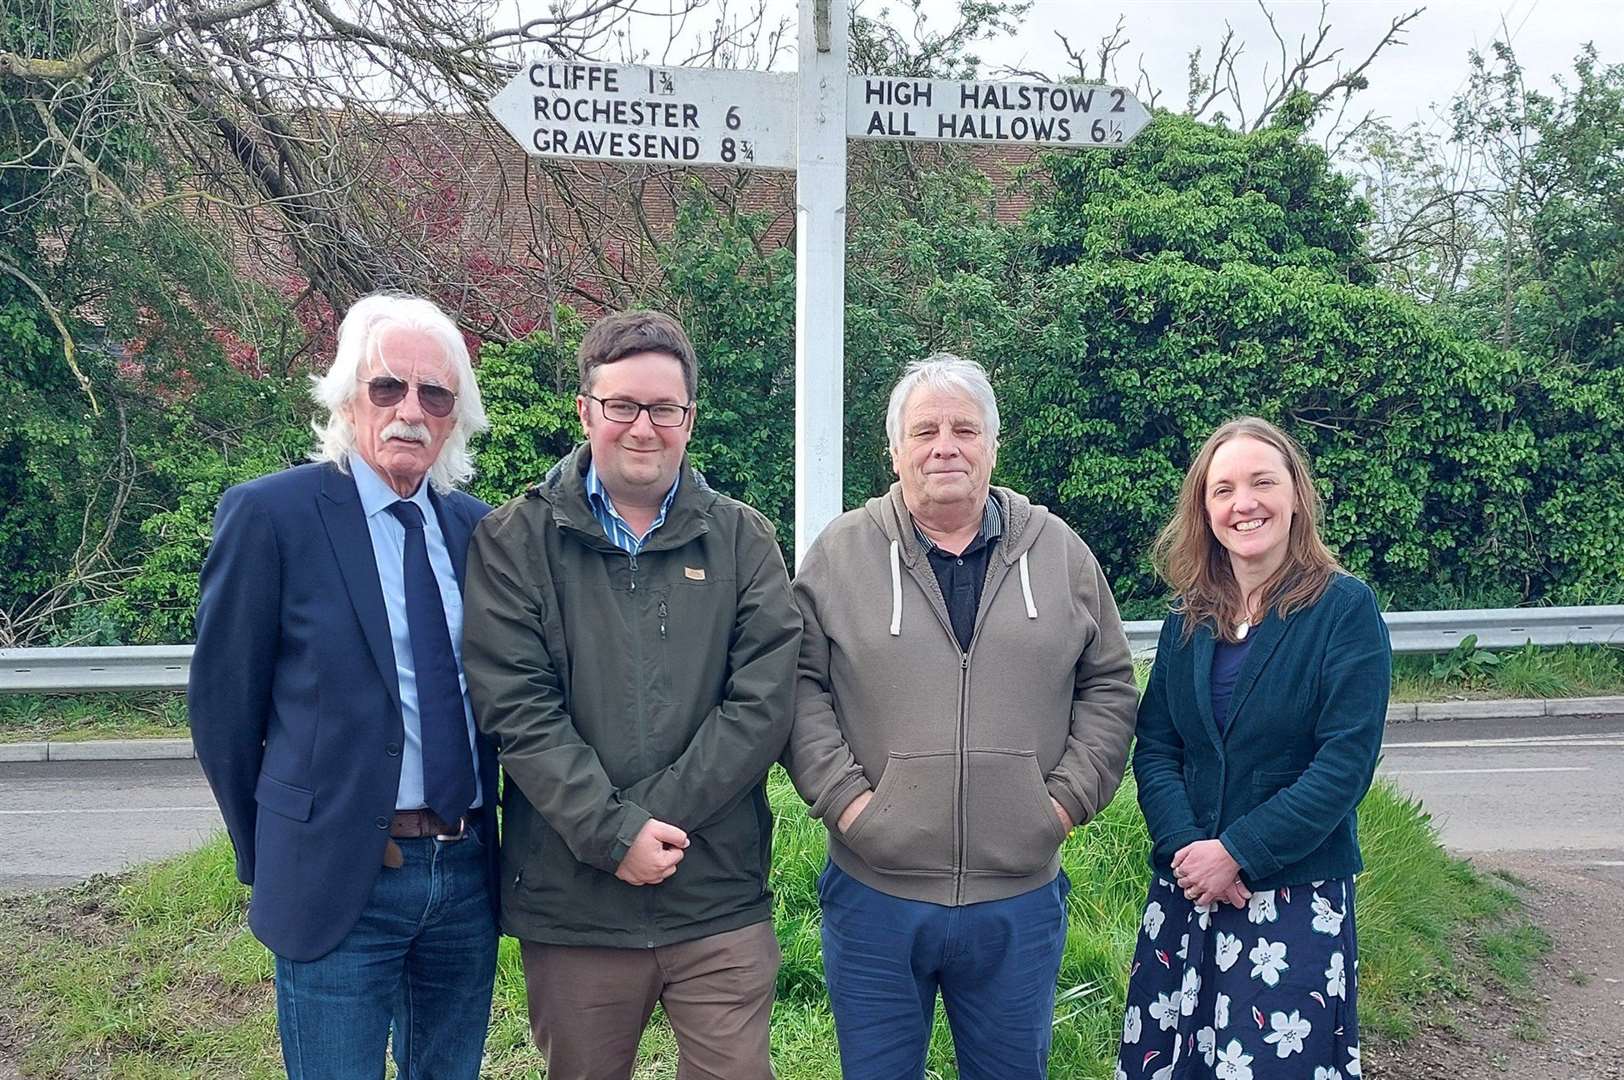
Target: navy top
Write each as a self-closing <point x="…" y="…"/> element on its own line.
<point x="1227" y="658"/>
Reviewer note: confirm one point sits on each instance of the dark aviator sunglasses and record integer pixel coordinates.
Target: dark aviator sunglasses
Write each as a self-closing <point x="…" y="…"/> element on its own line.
<point x="386" y="392"/>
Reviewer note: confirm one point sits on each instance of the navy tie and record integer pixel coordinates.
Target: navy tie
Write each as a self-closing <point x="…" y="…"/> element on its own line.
<point x="448" y="766"/>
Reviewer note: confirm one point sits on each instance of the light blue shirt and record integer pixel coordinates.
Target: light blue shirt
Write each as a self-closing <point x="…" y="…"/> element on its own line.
<point x="389" y="548"/>
<point x="614" y="526"/>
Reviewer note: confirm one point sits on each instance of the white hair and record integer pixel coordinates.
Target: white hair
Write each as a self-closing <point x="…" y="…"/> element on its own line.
<point x="946" y="372"/>
<point x="366" y="319"/>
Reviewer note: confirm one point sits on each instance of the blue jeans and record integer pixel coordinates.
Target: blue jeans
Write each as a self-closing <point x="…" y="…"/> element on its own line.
<point x="420" y="962"/>
<point x="995" y="964"/>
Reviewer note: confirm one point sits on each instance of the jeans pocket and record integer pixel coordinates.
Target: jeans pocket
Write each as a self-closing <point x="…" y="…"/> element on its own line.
<point x="1011" y="825"/>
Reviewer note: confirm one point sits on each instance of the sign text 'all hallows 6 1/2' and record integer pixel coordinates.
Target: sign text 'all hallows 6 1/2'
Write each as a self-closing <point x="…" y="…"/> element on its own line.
<point x="952" y="110"/>
<point x="648" y="115"/>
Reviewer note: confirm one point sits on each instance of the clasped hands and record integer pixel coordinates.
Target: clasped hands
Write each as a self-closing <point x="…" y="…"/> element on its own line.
<point x="654" y="854"/>
<point x="1207" y="873"/>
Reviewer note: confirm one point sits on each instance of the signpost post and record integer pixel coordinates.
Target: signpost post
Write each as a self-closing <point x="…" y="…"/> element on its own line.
<point x="761" y="120"/>
<point x="820" y="272"/>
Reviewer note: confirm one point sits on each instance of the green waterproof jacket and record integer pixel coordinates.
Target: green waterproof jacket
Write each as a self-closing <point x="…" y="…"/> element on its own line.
<point x="619" y="688"/>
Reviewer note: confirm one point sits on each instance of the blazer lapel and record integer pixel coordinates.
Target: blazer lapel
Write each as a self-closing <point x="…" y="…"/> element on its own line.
<point x="1263" y="646"/>
<point x="346" y="525"/>
<point x="1202" y="644"/>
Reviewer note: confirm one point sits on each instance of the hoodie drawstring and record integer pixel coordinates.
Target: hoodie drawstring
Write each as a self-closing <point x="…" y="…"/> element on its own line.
<point x="1026" y="589"/>
<point x="896" y="589"/>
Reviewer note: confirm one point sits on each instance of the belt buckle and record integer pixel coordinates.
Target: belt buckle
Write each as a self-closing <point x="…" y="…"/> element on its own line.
<point x="462" y="831"/>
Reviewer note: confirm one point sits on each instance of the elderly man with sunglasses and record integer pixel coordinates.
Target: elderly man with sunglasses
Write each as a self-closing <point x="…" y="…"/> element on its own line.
<point x="330" y="712"/>
<point x="631" y="646"/>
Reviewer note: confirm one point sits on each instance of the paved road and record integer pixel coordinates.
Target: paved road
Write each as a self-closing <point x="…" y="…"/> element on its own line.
<point x="1551" y="784"/>
<point x="65" y="821"/>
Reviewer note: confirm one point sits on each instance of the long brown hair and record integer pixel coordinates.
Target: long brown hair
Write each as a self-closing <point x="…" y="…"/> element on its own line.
<point x="1190" y="559"/>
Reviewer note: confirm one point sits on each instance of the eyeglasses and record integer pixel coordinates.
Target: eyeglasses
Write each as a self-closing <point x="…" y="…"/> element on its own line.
<point x="385" y="392"/>
<point x="624" y="411"/>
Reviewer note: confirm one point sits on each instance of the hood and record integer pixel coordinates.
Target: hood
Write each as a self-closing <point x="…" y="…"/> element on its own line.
<point x="1023" y="523"/>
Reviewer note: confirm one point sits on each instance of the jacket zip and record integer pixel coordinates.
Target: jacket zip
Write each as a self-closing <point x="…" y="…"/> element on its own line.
<point x="642" y="734"/>
<point x="961" y="738"/>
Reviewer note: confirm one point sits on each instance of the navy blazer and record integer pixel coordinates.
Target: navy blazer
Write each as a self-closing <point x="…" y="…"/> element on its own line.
<point x="295" y="704"/>
<point x="1281" y="785"/>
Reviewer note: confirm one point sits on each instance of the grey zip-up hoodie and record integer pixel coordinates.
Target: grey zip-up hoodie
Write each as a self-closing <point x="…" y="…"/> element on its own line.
<point x="963" y="749"/>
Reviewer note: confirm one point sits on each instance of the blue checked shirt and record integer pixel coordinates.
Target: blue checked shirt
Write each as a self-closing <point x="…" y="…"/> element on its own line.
<point x="614" y="526"/>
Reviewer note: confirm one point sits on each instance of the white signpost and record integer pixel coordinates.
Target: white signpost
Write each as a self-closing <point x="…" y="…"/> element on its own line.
<point x="760" y="120"/>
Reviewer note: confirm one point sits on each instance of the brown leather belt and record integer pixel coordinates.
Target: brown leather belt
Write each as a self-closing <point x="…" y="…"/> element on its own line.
<point x="416" y="824"/>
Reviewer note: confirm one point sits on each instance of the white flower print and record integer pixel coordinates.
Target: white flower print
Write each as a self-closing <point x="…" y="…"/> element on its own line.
<point x="1184" y="947"/>
<point x="1268" y="961"/>
<point x="1260" y="909"/>
<point x="1322" y="1073"/>
<point x="1233" y="1062"/>
<point x="1229" y="950"/>
<point x="1288" y="1034"/>
<point x="1121" y="1073"/>
<point x="1336" y="979"/>
<point x="1327" y="919"/>
<point x="1192" y="990"/>
<point x="1206" y="1043"/>
<point x="1163" y="1073"/>
<point x="1132" y="1025"/>
<point x="1220" y="1011"/>
<point x="1352" y="1067"/>
<point x="1203" y="914"/>
<point x="1166" y="1010"/>
<point x="1153" y="919"/>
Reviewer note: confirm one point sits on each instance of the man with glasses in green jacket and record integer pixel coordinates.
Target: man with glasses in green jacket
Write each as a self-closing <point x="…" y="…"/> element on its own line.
<point x="631" y="644"/>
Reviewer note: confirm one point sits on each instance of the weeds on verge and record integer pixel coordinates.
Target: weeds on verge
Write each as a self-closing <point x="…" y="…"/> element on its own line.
<point x="152" y="975"/>
<point x="1527" y="672"/>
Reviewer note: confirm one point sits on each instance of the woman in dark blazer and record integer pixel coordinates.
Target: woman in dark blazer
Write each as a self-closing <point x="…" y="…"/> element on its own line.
<point x="1258" y="734"/>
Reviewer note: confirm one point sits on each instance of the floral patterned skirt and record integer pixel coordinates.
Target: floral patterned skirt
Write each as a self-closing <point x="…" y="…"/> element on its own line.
<point x="1256" y="993"/>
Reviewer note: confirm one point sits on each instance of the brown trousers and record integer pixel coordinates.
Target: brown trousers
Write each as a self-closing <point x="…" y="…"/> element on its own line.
<point x="588" y="1006"/>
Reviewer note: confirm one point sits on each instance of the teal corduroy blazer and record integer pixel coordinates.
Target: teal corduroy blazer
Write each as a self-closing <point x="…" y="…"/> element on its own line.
<point x="1281" y="785"/>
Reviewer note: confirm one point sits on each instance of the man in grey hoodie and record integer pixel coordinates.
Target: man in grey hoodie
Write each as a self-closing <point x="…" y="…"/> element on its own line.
<point x="965" y="698"/>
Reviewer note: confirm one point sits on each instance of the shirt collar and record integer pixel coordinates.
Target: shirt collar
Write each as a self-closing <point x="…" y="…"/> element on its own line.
<point x="598" y="495"/>
<point x="992" y="528"/>
<point x="377" y="496"/>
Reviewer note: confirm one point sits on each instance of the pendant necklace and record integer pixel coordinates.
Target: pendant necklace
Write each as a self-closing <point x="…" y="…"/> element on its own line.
<point x="1243" y="628"/>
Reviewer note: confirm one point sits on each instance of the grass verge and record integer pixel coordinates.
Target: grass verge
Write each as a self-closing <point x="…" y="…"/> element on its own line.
<point x="1528" y="672"/>
<point x="152" y="976"/>
<point x="78" y="717"/>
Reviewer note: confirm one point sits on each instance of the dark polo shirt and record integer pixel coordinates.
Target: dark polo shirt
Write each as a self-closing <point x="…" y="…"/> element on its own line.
<point x="962" y="576"/>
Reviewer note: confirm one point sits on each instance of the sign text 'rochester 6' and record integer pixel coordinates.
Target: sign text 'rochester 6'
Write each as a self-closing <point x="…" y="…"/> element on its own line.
<point x="650" y="115"/>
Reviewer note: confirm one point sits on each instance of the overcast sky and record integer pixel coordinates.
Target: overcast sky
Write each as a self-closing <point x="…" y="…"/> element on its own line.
<point x="1407" y="81"/>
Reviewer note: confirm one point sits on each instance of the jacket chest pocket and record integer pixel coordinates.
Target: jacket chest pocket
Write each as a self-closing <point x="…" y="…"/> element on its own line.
<point x="694" y="606"/>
